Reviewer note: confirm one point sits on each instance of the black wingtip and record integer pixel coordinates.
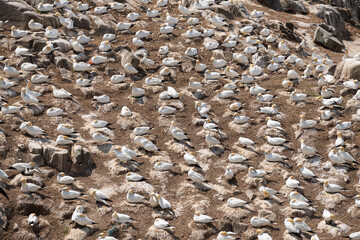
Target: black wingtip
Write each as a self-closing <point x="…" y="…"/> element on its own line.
<point x="2" y="191"/>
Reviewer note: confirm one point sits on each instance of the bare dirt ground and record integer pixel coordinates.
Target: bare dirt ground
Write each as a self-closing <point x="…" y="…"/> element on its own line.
<point x="175" y="186"/>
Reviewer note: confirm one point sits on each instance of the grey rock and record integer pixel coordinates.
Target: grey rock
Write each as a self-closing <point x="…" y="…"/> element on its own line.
<point x="61" y="160"/>
<point x="293" y="6"/>
<point x="34" y="147"/>
<point x="37" y="159"/>
<point x="101" y="27"/>
<point x="351" y="6"/>
<point x="260" y="59"/>
<point x="3" y="152"/>
<point x="83" y="22"/>
<point x="239" y="228"/>
<point x="232" y="11"/>
<point x="27" y="41"/>
<point x="328" y="40"/>
<point x="63" y="62"/>
<point x="350" y="69"/>
<point x="332" y="17"/>
<point x="65" y="74"/>
<point x="62" y="44"/>
<point x="126" y="56"/>
<point x="82" y="161"/>
<point x="187" y="64"/>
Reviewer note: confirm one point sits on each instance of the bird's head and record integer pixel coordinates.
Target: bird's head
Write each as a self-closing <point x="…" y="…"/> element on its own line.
<point x="81" y="215"/>
<point x="197" y="213"/>
<point x="298" y="220"/>
<point x="32" y="164"/>
<point x="23" y="180"/>
<point x="300" y="166"/>
<point x="114" y="214"/>
<point x="93" y="192"/>
<point x="66" y="189"/>
<point x="61" y="174"/>
<point x="13" y="28"/>
<point x="326" y="183"/>
<point x="265" y="193"/>
<point x="291" y="177"/>
<point x="223" y="233"/>
<point x="131" y="191"/>
<point x="57" y="14"/>
<point x="259" y="231"/>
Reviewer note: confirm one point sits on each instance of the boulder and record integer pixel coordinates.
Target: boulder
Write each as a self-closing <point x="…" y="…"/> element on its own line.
<point x="127" y="56"/>
<point x="232" y="11"/>
<point x="328" y="40"/>
<point x="293" y="6"/>
<point x="332" y="17"/>
<point x="285" y="5"/>
<point x="101" y="27"/>
<point x="350" y="69"/>
<point x="351" y="6"/>
<point x="19" y="13"/>
<point x="63" y="62"/>
<point x="62" y="44"/>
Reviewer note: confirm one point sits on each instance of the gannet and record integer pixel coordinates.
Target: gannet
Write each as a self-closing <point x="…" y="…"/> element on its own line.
<point x="283" y="48"/>
<point x="223" y="235"/>
<point x="211" y="75"/>
<point x="234" y="202"/>
<point x="246" y="30"/>
<point x="51" y="33"/>
<point x="307" y="173"/>
<point x="65" y="129"/>
<point x="82" y="6"/>
<point x="136" y="92"/>
<point x="327" y="92"/>
<point x="240" y="58"/>
<point x="67" y="193"/>
<point x="123" y="26"/>
<point x="352" y="84"/>
<point x="265" y="32"/>
<point x="272" y="66"/>
<point x="125" y="111"/>
<point x="23" y="167"/>
<point x="201" y="218"/>
<point x="216" y="20"/>
<point x="28" y="67"/>
<point x="273" y="124"/>
<point x="17" y="33"/>
<point x="63" y="179"/>
<point x="105" y="46"/>
<point x="274" y="157"/>
<point x="268" y="192"/>
<point x="99" y="137"/>
<point x="183" y="10"/>
<point x="22" y="51"/>
<point x="39" y="78"/>
<point x="195" y="176"/>
<point x="166" y="110"/>
<point x="211" y="141"/>
<point x="275" y="140"/>
<point x="153" y="81"/>
<point x="152" y="13"/>
<point x="63" y="140"/>
<point x="297" y="97"/>
<point x="103" y="236"/>
<point x="291" y="182"/>
<point x="100" y="197"/>
<point x="102" y="99"/>
<point x="229" y="174"/>
<point x="328" y="217"/>
<point x="345" y="155"/>
<point x="117" y="5"/>
<point x="339" y="140"/>
<point x="27" y="98"/>
<point x="6" y="109"/>
<point x="301" y="225"/>
<point x="256" y="173"/>
<point x="295" y="204"/>
<point x="160" y="223"/>
<point x="81" y="66"/>
<point x="121" y="218"/>
<point x="192" y="33"/>
<point x="31" y="130"/>
<point x="332" y="188"/>
<point x="326" y="114"/>
<point x="264" y="97"/>
<point x="297" y="196"/>
<point x="28" y="187"/>
<point x="119" y="78"/>
<point x="162" y="3"/>
<point x="138" y="131"/>
<point x="255" y="70"/>
<point x="83" y="220"/>
<point x="340" y="125"/>
<point x="83" y="82"/>
<point x="273" y="110"/>
<point x="61" y="93"/>
<point x="99" y="123"/>
<point x="271" y="38"/>
<point x="191" y="52"/>
<point x="5" y="83"/>
<point x="305" y="124"/>
<point x="163" y="166"/>
<point x="191" y="159"/>
<point x="3" y="175"/>
<point x="100" y="10"/>
<point x="240" y="119"/>
<point x="307" y="150"/>
<point x="79" y="209"/>
<point x="166" y="29"/>
<point x="256" y="89"/>
<point x="246" y="142"/>
<point x="235" y="106"/>
<point x="133" y="177"/>
<point x="290" y="226"/>
<point x="33" y="220"/>
<point x="66" y="22"/>
<point x="335" y="158"/>
<point x="132" y="197"/>
<point x="256" y="221"/>
<point x="262" y="236"/>
<point x="121" y="155"/>
<point x="133" y="16"/>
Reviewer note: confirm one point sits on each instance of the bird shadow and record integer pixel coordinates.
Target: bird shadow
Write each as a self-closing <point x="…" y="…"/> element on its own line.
<point x="233" y="182"/>
<point x="183" y="142"/>
<point x="105" y="148"/>
<point x="217" y="150"/>
<point x="201" y="187"/>
<point x="171" y="234"/>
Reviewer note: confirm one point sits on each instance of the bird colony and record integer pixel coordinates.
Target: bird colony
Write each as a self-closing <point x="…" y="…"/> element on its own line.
<point x="209" y="127"/>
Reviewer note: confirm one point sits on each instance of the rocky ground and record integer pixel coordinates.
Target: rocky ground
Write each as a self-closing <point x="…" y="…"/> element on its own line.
<point x="327" y="26"/>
